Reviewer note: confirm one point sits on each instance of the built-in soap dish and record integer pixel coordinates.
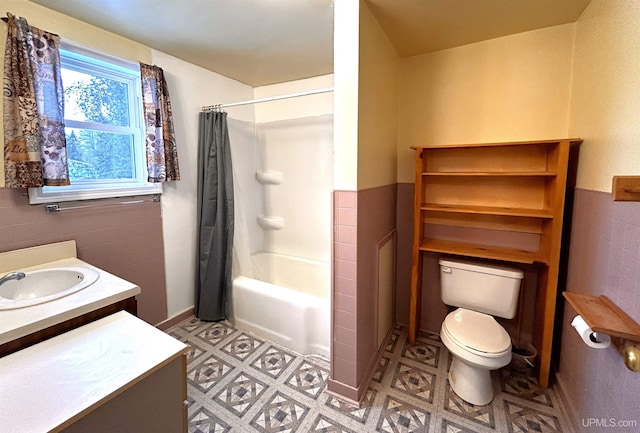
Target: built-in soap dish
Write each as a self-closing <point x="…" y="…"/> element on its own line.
<point x="271" y="222"/>
<point x="269" y="177"/>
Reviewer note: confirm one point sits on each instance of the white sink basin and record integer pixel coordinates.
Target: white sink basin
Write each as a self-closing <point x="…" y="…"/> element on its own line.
<point x="44" y="285"/>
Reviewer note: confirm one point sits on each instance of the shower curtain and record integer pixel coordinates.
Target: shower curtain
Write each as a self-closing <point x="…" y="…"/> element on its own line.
<point x="215" y="218"/>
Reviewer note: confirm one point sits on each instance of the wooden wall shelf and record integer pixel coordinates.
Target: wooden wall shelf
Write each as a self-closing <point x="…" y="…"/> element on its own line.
<point x="604" y="316"/>
<point x="626" y="188"/>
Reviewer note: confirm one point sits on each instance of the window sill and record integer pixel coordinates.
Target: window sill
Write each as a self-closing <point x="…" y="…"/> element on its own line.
<point x="62" y="194"/>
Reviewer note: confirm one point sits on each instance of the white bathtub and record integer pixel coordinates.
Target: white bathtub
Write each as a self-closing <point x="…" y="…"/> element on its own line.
<point x="291" y="307"/>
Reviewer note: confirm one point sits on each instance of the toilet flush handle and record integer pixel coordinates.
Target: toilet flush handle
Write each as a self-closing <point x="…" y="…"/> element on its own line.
<point x="446" y="269"/>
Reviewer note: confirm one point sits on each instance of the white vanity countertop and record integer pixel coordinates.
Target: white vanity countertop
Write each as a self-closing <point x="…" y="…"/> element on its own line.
<point x="50" y="385"/>
<point x="105" y="291"/>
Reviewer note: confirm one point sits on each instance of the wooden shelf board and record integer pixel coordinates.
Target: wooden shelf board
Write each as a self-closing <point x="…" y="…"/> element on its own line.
<point x="488" y="210"/>
<point x="604" y="316"/>
<point x="491" y="173"/>
<point x="509" y="143"/>
<point x="480" y="251"/>
<point x="495" y="223"/>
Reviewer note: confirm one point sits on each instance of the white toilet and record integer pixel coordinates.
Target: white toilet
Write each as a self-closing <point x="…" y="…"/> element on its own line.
<point x="477" y="342"/>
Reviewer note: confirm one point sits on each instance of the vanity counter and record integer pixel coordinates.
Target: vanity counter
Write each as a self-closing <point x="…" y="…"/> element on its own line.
<point x="107" y="290"/>
<point x="99" y="376"/>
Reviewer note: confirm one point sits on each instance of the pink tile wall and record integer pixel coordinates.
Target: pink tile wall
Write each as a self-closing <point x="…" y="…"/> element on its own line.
<point x="376" y="221"/>
<point x="343" y="352"/>
<point x="604" y="259"/>
<point x="124" y="240"/>
<point x="361" y="220"/>
<point x="433" y="309"/>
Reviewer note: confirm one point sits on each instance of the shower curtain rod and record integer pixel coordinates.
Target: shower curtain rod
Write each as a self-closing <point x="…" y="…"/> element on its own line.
<point x="272" y="98"/>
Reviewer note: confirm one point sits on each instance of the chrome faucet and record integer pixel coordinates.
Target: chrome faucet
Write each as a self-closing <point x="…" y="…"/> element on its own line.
<point x="18" y="275"/>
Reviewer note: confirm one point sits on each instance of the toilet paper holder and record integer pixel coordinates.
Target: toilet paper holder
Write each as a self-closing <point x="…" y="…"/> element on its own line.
<point x="604" y="317"/>
<point x="591" y="338"/>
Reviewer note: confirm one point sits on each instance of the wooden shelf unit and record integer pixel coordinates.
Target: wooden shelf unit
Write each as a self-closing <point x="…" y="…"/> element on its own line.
<point x="498" y="201"/>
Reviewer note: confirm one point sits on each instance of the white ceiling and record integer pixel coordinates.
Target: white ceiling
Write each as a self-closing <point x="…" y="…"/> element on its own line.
<point x="261" y="42"/>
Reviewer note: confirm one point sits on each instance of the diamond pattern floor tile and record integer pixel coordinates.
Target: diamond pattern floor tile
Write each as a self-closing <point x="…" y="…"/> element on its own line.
<point x="425" y="351"/>
<point x="207" y="373"/>
<point x="215" y="333"/>
<point x="483" y="415"/>
<point x="414" y="381"/>
<point x="400" y="416"/>
<point x="453" y="427"/>
<point x="308" y="379"/>
<point x="323" y="424"/>
<point x="242" y="346"/>
<point x="524" y="419"/>
<point x="273" y="361"/>
<point x="238" y="382"/>
<point x="240" y="394"/>
<point x="524" y="387"/>
<point x="280" y="414"/>
<point x="381" y="369"/>
<point x="359" y="414"/>
<point x="204" y="421"/>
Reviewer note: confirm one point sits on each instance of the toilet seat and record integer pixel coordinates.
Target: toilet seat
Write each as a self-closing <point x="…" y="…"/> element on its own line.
<point x="477" y="333"/>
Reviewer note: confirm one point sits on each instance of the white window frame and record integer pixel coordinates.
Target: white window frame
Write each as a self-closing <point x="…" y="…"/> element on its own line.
<point x="74" y="55"/>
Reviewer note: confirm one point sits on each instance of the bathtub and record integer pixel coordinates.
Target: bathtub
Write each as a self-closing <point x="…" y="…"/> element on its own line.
<point x="288" y="305"/>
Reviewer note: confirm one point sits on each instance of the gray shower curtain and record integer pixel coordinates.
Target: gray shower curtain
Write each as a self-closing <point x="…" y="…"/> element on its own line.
<point x="215" y="218"/>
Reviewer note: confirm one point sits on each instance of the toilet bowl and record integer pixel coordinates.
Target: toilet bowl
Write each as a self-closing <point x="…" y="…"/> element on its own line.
<point x="478" y="345"/>
<point x="479" y="290"/>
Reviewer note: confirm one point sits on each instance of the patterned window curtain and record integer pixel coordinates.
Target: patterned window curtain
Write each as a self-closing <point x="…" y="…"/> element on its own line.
<point x="35" y="152"/>
<point x="162" y="156"/>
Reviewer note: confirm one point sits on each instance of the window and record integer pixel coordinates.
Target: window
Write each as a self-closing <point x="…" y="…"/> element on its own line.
<point x="103" y="127"/>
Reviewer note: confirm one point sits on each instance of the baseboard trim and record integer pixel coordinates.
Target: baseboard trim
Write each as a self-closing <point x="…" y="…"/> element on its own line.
<point x="355" y="395"/>
<point x="568" y="404"/>
<point x="174" y="320"/>
<point x="343" y="392"/>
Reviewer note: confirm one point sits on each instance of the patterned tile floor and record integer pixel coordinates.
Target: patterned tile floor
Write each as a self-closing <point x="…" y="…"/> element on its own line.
<point x="238" y="382"/>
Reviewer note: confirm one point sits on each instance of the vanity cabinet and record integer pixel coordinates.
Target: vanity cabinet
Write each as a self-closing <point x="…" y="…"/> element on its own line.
<point x="116" y="374"/>
<point x="129" y="305"/>
<point x="498" y="201"/>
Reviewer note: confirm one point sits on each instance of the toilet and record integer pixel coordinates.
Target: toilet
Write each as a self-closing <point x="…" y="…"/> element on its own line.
<point x="477" y="342"/>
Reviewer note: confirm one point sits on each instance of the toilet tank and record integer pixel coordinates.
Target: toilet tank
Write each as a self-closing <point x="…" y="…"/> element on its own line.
<point x="481" y="287"/>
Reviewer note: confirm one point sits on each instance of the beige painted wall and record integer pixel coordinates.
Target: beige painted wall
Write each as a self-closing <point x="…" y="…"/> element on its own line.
<point x="76" y="31"/>
<point x="605" y="99"/>
<point x="345" y="95"/>
<point x="190" y="87"/>
<point x="294" y="108"/>
<point x="71" y="30"/>
<point x="377" y="105"/>
<point x="510" y="88"/>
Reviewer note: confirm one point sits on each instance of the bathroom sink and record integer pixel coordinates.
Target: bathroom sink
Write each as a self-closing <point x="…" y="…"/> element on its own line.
<point x="44" y="285"/>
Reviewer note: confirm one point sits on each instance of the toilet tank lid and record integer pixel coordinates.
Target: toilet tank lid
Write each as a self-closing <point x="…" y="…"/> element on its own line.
<point x="485" y="268"/>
